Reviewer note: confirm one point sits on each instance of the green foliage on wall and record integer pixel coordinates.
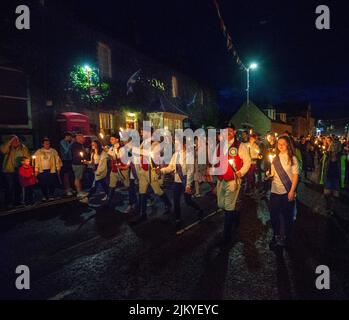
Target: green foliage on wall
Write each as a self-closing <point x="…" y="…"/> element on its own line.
<point x="85" y="85"/>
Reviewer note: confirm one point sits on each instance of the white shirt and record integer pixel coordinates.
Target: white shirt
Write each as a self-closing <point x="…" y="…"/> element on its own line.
<point x="187" y="169"/>
<point x="254" y="151"/>
<point x="243" y="154"/>
<point x="95" y="158"/>
<point x="46" y="159"/>
<point x="113" y="152"/>
<point x="277" y="185"/>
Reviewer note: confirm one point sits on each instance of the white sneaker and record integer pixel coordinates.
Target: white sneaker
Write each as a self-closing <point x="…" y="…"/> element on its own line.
<point x="82" y="194"/>
<point x="104" y="198"/>
<point x="84" y="200"/>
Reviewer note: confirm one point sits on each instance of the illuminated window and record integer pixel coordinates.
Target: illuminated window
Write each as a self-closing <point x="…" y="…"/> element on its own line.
<point x="131" y="120"/>
<point x="174" y="87"/>
<point x="106" y="121"/>
<point x="178" y="124"/>
<point x="104" y="60"/>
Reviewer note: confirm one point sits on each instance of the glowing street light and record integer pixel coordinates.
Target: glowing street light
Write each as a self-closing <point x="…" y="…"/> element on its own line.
<point x="87" y="68"/>
<point x="252" y="66"/>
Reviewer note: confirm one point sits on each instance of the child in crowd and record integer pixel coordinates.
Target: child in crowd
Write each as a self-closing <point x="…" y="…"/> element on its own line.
<point x="27" y="180"/>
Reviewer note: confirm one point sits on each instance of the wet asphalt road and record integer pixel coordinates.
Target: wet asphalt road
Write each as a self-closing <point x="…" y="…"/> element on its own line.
<point x="76" y="252"/>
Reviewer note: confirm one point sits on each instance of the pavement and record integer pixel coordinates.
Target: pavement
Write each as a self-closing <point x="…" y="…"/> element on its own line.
<point x="77" y="252"/>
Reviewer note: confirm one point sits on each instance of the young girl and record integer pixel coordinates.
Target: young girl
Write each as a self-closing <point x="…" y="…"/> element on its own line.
<point x="284" y="174"/>
<point x="99" y="161"/>
<point x="27" y="180"/>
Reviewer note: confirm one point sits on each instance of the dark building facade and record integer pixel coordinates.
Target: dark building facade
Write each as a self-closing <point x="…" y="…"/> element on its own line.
<point x="66" y="66"/>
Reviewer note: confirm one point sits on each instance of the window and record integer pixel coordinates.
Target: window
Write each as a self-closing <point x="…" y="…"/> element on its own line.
<point x="178" y="124"/>
<point x="174" y="87"/>
<point x="131" y="121"/>
<point x="106" y="121"/>
<point x="104" y="60"/>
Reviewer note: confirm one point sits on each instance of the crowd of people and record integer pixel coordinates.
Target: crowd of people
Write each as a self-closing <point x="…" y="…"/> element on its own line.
<point x="269" y="166"/>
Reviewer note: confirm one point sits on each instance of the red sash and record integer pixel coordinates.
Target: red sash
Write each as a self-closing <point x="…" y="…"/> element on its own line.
<point x="235" y="166"/>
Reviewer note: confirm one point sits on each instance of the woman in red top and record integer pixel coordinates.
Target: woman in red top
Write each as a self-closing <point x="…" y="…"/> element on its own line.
<point x="27" y="180"/>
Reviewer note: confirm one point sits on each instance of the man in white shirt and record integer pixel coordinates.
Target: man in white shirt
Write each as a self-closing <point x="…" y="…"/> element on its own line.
<point x="47" y="167"/>
<point x="183" y="179"/>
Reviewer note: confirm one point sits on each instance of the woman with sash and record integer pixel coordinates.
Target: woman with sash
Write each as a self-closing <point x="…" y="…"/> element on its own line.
<point x="284" y="174"/>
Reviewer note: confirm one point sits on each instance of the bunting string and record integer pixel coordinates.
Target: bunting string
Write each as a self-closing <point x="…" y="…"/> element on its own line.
<point x="230" y="45"/>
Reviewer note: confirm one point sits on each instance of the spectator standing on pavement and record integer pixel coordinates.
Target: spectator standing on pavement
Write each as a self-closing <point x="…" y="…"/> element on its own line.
<point x="307" y="157"/>
<point x="331" y="171"/>
<point x="66" y="156"/>
<point x="48" y="166"/>
<point x="99" y="161"/>
<point x="284" y="174"/>
<point x="27" y="180"/>
<point x="13" y="151"/>
<point x="78" y="156"/>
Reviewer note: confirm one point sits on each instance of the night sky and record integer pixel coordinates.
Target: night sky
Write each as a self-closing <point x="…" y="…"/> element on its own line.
<point x="297" y="61"/>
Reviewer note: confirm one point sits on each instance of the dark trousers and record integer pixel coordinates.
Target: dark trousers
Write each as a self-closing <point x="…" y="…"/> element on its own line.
<point x="102" y="183"/>
<point x="251" y="177"/>
<point x="231" y="221"/>
<point x="47" y="182"/>
<point x="28" y="195"/>
<point x="13" y="190"/>
<point x="178" y="190"/>
<point x="132" y="193"/>
<point x="281" y="215"/>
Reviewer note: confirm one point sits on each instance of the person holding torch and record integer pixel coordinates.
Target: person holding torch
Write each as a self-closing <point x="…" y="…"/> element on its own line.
<point x="229" y="183"/>
<point x="284" y="175"/>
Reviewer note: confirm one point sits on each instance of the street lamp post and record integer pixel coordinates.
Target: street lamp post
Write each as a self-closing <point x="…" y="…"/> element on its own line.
<point x="252" y="66"/>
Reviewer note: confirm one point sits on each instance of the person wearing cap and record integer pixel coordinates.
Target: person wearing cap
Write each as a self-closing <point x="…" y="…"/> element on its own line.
<point x="237" y="162"/>
<point x="13" y="151"/>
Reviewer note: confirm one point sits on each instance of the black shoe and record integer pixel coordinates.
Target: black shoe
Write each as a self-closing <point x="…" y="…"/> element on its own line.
<point x="178" y="224"/>
<point x="200" y="213"/>
<point x="167" y="210"/>
<point x="139" y="220"/>
<point x="272" y="245"/>
<point x="276" y="246"/>
<point x="225" y="243"/>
